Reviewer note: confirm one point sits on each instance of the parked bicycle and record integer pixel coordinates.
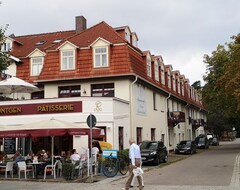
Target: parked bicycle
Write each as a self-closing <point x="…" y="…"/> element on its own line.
<point x="111" y="166"/>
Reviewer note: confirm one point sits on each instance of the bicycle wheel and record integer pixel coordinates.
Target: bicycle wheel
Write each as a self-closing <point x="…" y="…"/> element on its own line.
<point x="109" y="167"/>
<point x="123" y="167"/>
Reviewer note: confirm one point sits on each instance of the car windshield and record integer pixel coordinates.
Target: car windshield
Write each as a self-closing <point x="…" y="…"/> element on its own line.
<point x="183" y="143"/>
<point x="202" y="140"/>
<point x="149" y="145"/>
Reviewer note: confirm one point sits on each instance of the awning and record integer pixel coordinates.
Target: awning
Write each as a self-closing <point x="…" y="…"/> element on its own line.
<point x="51" y="127"/>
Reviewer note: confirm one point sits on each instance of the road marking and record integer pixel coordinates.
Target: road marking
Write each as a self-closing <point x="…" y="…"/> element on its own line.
<point x="236" y="171"/>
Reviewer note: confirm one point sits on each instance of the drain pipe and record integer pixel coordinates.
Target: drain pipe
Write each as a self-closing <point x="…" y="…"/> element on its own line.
<point x="190" y="135"/>
<point x="166" y="121"/>
<point x="131" y="106"/>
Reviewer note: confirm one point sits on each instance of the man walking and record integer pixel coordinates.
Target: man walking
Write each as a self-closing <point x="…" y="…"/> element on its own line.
<point x="135" y="156"/>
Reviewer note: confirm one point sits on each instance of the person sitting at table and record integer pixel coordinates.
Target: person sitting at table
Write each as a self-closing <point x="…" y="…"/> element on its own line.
<point x="30" y="156"/>
<point x="3" y="156"/>
<point x="16" y="158"/>
<point x="68" y="156"/>
<point x="44" y="155"/>
<point x="75" y="156"/>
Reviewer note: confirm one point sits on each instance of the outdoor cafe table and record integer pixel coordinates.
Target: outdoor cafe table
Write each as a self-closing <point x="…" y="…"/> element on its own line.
<point x="34" y="164"/>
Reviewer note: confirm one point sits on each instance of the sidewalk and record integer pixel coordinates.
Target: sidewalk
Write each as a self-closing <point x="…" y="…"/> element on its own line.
<point x="100" y="182"/>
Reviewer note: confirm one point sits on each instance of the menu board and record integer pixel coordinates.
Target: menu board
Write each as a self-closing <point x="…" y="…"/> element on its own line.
<point x="9" y="145"/>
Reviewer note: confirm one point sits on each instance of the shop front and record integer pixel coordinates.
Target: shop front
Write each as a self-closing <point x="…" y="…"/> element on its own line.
<point x="30" y="124"/>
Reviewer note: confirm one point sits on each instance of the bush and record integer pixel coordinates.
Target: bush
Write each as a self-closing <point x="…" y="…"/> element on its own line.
<point x="69" y="170"/>
<point x="124" y="155"/>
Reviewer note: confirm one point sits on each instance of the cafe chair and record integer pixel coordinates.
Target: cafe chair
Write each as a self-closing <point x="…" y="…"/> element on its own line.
<point x="59" y="168"/>
<point x="22" y="167"/>
<point x="51" y="168"/>
<point x="8" y="168"/>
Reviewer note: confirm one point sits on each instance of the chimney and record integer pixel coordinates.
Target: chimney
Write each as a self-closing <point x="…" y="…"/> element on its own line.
<point x="81" y="24"/>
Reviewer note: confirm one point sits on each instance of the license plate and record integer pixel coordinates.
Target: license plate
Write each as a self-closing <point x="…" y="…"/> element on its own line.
<point x="181" y="151"/>
<point x="143" y="158"/>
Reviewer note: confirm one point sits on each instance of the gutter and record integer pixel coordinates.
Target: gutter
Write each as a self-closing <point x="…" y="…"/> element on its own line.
<point x="131" y="107"/>
<point x="166" y="121"/>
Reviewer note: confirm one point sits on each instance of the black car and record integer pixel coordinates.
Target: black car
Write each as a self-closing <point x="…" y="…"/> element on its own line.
<point x="153" y="152"/>
<point x="186" y="147"/>
<point x="214" y="141"/>
<point x="202" y="141"/>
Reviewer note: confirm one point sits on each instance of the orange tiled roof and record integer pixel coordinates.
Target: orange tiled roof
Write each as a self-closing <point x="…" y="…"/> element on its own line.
<point x="28" y="42"/>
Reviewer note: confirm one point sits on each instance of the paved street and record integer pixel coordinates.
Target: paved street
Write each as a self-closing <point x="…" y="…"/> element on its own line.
<point x="220" y="171"/>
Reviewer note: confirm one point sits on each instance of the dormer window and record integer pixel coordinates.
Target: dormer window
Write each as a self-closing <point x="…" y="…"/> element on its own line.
<point x="174" y="83"/>
<point x="36" y="62"/>
<point x="182" y="85"/>
<point x="134" y="39"/>
<point x="68" y="60"/>
<point x="162" y="75"/>
<point x="68" y="56"/>
<point x="149" y="73"/>
<point x="169" y="79"/>
<point x="128" y="34"/>
<point x="100" y="48"/>
<point x="36" y="65"/>
<point x="101" y="57"/>
<point x="179" y="88"/>
<point x="156" y="70"/>
<point x="7" y="45"/>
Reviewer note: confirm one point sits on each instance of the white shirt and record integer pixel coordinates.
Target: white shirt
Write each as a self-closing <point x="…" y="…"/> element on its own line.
<point x="75" y="157"/>
<point x="95" y="150"/>
<point x="134" y="153"/>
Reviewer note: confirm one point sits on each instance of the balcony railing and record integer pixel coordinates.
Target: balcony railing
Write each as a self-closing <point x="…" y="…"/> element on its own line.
<point x="197" y="122"/>
<point x="175" y="117"/>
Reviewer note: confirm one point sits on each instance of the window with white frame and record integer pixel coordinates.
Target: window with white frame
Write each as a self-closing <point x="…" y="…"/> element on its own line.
<point x="149" y="67"/>
<point x="179" y="88"/>
<point x="68" y="60"/>
<point x="169" y="79"/>
<point x="174" y="83"/>
<point x="101" y="57"/>
<point x="162" y="75"/>
<point x="6" y="46"/>
<point x="36" y="65"/>
<point x="156" y="70"/>
<point x="182" y="85"/>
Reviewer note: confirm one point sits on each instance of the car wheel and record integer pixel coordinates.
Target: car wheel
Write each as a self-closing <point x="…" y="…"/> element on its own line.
<point x="156" y="160"/>
<point x="165" y="158"/>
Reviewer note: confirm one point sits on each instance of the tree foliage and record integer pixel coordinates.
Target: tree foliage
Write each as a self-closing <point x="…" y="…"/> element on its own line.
<point x="221" y="92"/>
<point x="4" y="56"/>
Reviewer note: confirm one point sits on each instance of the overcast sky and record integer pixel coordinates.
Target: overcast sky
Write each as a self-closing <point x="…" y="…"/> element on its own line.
<point x="182" y="31"/>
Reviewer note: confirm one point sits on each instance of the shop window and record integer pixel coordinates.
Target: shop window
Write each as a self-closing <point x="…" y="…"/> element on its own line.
<point x="103" y="90"/>
<point x="37" y="95"/>
<point x="69" y="91"/>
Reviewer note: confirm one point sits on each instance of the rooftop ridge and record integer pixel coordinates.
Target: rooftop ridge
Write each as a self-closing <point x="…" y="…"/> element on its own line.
<point x="47" y="33"/>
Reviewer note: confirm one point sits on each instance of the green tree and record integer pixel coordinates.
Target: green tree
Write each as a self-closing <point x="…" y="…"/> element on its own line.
<point x="219" y="92"/>
<point x="4" y="56"/>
